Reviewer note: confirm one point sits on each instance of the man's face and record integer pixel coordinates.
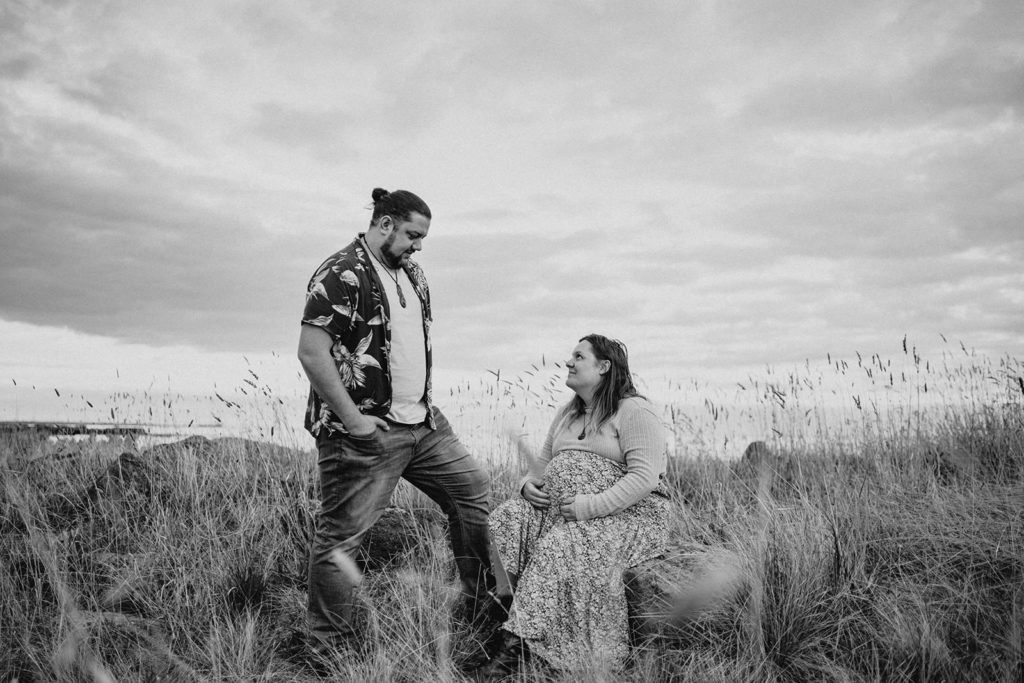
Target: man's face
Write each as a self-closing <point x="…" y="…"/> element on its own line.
<point x="403" y="239"/>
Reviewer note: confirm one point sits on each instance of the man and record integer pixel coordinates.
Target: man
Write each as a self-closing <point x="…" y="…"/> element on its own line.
<point x="365" y="347"/>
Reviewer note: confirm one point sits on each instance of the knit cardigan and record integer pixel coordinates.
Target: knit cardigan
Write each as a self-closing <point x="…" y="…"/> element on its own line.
<point x="633" y="437"/>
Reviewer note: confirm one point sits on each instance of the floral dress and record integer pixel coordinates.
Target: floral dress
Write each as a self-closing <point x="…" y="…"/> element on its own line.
<point x="570" y="603"/>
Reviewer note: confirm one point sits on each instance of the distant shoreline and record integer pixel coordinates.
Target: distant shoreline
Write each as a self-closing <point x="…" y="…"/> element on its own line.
<point x="47" y="428"/>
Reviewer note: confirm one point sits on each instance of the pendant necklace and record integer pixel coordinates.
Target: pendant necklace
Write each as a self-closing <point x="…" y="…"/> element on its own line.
<point x="393" y="276"/>
<point x="583" y="432"/>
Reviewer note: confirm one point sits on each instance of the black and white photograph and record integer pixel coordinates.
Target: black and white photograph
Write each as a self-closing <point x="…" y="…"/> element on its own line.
<point x="491" y="341"/>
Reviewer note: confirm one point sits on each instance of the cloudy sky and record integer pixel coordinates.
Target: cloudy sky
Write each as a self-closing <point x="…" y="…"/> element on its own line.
<point x="723" y="185"/>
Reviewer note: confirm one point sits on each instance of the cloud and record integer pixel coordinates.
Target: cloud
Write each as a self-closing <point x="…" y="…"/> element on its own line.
<point x="317" y="132"/>
<point x="132" y="260"/>
<point x="719" y="184"/>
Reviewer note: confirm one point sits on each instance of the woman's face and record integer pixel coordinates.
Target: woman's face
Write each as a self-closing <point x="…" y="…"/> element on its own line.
<point x="585" y="370"/>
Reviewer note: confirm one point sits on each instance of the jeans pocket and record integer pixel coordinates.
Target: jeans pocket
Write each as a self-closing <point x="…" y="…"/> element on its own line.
<point x="367" y="444"/>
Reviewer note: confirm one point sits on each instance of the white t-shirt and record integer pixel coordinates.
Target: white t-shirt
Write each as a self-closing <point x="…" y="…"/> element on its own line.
<point x="408" y="352"/>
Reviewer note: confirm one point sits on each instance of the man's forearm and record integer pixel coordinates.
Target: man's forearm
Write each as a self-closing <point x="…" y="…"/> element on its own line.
<point x="323" y="376"/>
<point x="317" y="362"/>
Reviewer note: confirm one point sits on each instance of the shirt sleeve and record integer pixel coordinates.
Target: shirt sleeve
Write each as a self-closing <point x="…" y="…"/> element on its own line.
<point x="331" y="298"/>
<point x="642" y="438"/>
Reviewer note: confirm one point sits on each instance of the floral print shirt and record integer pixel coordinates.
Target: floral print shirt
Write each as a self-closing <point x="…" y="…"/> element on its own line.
<point x="345" y="299"/>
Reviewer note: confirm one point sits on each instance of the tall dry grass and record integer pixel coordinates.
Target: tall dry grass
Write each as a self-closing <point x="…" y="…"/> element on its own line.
<point x="881" y="537"/>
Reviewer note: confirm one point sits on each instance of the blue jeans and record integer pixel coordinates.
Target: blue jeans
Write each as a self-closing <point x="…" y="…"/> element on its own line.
<point x="357" y="477"/>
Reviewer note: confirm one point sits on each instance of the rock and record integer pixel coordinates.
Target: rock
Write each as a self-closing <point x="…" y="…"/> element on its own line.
<point x="133" y="479"/>
<point x="224" y="449"/>
<point x="755" y="452"/>
<point x="128" y="479"/>
<point x="391" y="537"/>
<point x="130" y="476"/>
<point x="763" y="467"/>
<point x="396" y="534"/>
<point x="198" y="446"/>
<point x="685" y="585"/>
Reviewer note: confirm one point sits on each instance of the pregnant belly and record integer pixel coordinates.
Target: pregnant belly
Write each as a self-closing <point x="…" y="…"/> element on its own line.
<point x="571" y="473"/>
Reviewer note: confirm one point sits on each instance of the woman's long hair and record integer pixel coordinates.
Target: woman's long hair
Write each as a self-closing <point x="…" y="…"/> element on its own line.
<point x="616" y="384"/>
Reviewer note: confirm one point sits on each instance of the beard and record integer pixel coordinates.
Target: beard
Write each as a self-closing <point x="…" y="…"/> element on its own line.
<point x="388" y="255"/>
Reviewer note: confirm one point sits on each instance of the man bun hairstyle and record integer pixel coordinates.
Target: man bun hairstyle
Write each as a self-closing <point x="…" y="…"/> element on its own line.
<point x="399" y="204"/>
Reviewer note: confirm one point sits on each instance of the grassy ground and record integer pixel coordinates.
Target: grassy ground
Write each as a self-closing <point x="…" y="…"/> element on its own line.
<point x="893" y="553"/>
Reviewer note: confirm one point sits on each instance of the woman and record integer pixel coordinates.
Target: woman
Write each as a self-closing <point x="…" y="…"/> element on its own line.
<point x="592" y="505"/>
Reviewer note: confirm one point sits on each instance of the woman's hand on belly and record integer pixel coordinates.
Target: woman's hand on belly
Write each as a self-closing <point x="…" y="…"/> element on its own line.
<point x="535" y="495"/>
<point x="566" y="509"/>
